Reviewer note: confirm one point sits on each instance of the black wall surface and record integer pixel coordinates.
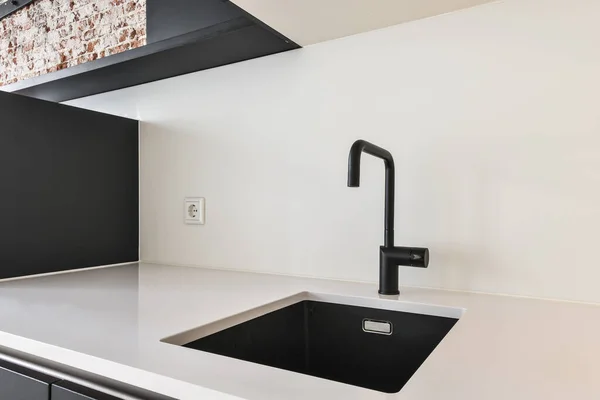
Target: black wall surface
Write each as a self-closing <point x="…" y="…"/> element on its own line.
<point x="68" y="187"/>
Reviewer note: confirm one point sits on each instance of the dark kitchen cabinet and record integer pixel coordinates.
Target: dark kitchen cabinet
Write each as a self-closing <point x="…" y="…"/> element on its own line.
<point x="19" y="383"/>
<point x="65" y="390"/>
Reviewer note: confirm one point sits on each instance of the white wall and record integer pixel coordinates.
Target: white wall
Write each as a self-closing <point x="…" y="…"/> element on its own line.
<point x="493" y="117"/>
<point x="313" y="21"/>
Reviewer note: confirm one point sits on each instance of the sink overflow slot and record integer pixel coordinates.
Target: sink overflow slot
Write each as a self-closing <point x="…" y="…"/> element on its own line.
<point x="378" y="327"/>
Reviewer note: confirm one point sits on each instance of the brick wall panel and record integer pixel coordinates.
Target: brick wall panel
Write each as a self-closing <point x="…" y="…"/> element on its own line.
<point x="50" y="35"/>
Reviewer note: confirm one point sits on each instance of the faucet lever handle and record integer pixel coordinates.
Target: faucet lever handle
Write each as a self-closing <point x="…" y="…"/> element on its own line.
<point x="419" y="257"/>
<point x="406" y="256"/>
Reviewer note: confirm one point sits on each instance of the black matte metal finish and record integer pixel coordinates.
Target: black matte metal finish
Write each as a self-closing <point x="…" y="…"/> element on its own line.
<point x="390" y="256"/>
<point x="362" y="146"/>
<point x="167" y="19"/>
<point x="69" y="184"/>
<point x="236" y="39"/>
<point x="19" y="383"/>
<point x="65" y="390"/>
<point x="11" y="6"/>
<point x="328" y="341"/>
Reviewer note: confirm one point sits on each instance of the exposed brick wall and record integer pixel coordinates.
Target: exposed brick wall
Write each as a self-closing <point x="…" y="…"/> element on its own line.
<point x="50" y="35"/>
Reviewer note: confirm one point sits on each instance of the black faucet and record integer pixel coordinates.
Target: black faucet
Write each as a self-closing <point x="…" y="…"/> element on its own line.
<point x="390" y="256"/>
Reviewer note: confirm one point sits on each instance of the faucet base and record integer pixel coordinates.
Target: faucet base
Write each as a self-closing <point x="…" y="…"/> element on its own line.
<point x="390" y="258"/>
<point x="394" y="295"/>
<point x="388" y="273"/>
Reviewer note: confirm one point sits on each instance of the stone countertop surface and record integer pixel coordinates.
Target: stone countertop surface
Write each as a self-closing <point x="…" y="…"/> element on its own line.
<point x="110" y="322"/>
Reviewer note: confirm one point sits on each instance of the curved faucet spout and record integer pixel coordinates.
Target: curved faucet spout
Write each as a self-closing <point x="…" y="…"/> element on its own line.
<point x="390" y="257"/>
<point x="362" y="146"/>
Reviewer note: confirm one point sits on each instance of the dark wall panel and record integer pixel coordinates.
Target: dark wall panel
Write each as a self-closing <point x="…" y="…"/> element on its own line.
<point x="68" y="187"/>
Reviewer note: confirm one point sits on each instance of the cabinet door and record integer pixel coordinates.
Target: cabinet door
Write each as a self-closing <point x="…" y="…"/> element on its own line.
<point x="65" y="390"/>
<point x="19" y="383"/>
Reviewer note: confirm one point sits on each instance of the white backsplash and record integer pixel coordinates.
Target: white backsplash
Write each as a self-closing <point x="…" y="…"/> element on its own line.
<point x="491" y="114"/>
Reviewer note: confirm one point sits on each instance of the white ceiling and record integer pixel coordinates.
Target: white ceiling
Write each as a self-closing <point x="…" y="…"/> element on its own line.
<point x="312" y="21"/>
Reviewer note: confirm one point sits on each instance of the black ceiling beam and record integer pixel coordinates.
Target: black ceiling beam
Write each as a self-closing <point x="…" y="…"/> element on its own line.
<point x="240" y="38"/>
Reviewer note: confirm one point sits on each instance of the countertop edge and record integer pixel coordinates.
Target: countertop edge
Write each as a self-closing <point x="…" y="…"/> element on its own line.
<point x="108" y="369"/>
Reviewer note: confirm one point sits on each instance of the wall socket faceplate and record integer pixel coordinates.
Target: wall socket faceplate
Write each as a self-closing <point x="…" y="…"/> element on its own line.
<point x="194" y="210"/>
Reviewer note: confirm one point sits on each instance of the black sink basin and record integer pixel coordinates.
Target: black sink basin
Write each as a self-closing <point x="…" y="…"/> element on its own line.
<point x="371" y="348"/>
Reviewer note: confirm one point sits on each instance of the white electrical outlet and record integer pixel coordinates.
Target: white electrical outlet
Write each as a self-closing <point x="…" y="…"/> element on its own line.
<point x="194" y="210"/>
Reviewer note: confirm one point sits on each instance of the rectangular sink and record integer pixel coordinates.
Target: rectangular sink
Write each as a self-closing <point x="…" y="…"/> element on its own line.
<point x="370" y="343"/>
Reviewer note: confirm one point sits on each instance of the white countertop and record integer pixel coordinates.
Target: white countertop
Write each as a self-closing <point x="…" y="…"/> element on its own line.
<point x="110" y="322"/>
